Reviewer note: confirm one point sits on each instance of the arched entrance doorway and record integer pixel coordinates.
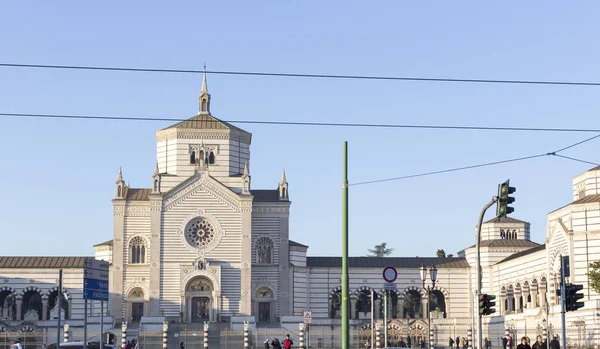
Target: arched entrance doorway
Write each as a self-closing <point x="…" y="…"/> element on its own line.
<point x="136" y="304"/>
<point x="265" y="306"/>
<point x="416" y="334"/>
<point x="199" y="298"/>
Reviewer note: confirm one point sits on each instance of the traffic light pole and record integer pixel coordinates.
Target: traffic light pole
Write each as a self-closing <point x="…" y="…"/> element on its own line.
<point x="345" y="280"/>
<point x="478" y="243"/>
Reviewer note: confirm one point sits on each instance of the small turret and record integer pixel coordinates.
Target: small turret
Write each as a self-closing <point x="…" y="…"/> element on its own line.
<point x="156" y="181"/>
<point x="121" y="187"/>
<point x="246" y="180"/>
<point x="283" y="187"/>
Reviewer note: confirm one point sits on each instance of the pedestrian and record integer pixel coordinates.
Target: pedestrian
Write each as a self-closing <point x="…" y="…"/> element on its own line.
<point x="523" y="344"/>
<point x="554" y="344"/>
<point x="266" y="343"/>
<point x="288" y="342"/>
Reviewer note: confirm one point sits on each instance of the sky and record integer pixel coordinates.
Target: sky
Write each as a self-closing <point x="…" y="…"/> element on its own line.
<point x="58" y="176"/>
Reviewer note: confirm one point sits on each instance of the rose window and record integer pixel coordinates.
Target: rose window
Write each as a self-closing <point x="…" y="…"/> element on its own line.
<point x="199" y="232"/>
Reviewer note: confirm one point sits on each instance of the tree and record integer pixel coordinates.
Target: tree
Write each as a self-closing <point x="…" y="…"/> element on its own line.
<point x="381" y="250"/>
<point x="594" y="275"/>
<point x="450" y="255"/>
<point x="441" y="253"/>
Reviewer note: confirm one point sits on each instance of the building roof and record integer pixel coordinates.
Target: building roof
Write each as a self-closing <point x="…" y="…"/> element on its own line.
<point x="138" y="194"/>
<point x="524" y="253"/>
<point x="205" y="122"/>
<point x="382" y="262"/>
<point x="584" y="200"/>
<point x="105" y="243"/>
<point x="597" y="168"/>
<point x="266" y="195"/>
<point x="505" y="220"/>
<point x="507" y="243"/>
<point x="297" y="244"/>
<point x="42" y="262"/>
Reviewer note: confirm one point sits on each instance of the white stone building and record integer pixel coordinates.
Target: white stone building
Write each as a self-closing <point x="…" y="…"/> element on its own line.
<point x="201" y="245"/>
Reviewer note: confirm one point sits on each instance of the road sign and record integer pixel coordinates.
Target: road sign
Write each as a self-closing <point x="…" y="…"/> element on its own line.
<point x="389" y="286"/>
<point x="95" y="295"/>
<point x="307" y="317"/>
<point x="95" y="279"/>
<point x="92" y="284"/>
<point x="390" y="274"/>
<point x="92" y="263"/>
<point x="95" y="274"/>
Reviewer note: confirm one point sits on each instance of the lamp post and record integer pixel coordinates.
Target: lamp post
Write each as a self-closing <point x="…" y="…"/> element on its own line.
<point x="433" y="276"/>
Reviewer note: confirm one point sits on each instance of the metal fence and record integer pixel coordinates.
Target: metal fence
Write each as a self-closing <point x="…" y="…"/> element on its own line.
<point x="319" y="337"/>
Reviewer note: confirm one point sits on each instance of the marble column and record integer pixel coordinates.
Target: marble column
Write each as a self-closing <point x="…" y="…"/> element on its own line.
<point x="534" y="300"/>
<point x="518" y="304"/>
<point x="19" y="302"/>
<point x="377" y="307"/>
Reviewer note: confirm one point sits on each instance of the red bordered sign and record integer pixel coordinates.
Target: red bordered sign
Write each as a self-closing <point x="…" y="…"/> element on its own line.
<point x="390" y="274"/>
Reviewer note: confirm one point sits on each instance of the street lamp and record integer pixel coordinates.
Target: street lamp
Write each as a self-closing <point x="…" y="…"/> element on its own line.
<point x="433" y="276"/>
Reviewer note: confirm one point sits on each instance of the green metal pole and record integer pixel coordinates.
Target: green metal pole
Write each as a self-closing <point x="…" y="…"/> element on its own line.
<point x="345" y="280"/>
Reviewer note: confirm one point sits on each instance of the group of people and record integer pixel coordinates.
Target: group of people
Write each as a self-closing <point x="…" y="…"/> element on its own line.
<point x="275" y="344"/>
<point x="134" y="344"/>
<point x="460" y="342"/>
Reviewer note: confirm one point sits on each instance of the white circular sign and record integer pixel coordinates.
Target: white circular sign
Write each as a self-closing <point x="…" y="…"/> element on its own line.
<point x="390" y="274"/>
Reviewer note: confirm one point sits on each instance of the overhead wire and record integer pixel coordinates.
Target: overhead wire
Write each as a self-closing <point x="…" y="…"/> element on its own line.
<point x="301" y="123"/>
<point x="455" y="169"/>
<point x="301" y="75"/>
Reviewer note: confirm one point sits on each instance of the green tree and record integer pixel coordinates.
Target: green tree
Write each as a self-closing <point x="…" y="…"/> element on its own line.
<point x="594" y="275"/>
<point x="450" y="255"/>
<point x="381" y="250"/>
<point x="441" y="253"/>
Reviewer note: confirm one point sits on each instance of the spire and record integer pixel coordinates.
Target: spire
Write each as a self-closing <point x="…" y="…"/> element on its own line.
<point x="155" y="170"/>
<point x="246" y="170"/>
<point x="283" y="187"/>
<point x="283" y="179"/>
<point x="204" y="85"/>
<point x="120" y="176"/>
<point x="246" y="180"/>
<point x="204" y="98"/>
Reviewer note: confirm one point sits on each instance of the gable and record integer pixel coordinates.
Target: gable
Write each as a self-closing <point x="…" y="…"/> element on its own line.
<point x="201" y="182"/>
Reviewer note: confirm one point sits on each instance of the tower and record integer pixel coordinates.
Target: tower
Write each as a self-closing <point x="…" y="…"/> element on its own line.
<point x="204" y="97"/>
<point x="283" y="187"/>
<point x="120" y="192"/>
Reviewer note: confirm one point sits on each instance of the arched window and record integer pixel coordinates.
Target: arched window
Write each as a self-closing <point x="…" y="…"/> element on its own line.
<point x="137" y="250"/>
<point x="193" y="157"/>
<point x="211" y="158"/>
<point x="412" y="305"/>
<point x="514" y="234"/>
<point x="204" y="103"/>
<point x="156" y="185"/>
<point x="502" y="234"/>
<point x="264" y="250"/>
<point x="119" y="191"/>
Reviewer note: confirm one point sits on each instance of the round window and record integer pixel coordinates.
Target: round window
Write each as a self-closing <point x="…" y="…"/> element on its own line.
<point x="199" y="232"/>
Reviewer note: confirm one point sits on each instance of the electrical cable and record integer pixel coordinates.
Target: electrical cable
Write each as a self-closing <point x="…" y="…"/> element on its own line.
<point x="320" y="124"/>
<point x="299" y="75"/>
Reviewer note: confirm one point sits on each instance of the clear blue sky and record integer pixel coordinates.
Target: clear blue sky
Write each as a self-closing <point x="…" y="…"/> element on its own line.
<point x="58" y="175"/>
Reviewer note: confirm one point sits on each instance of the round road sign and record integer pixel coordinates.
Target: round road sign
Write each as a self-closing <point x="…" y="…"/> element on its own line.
<point x="390" y="274"/>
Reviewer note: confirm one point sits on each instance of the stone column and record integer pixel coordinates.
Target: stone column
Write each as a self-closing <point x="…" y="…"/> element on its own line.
<point x="19" y="302"/>
<point x="45" y="308"/>
<point x="164" y="334"/>
<point x="425" y="306"/>
<point x="544" y="332"/>
<point x="377" y="336"/>
<point x="518" y="301"/>
<point x="301" y="336"/>
<point x="502" y="305"/>
<point x="352" y="307"/>
<point x="534" y="295"/>
<point x="123" y="334"/>
<point x="246" y="325"/>
<point x="470" y="337"/>
<point x="543" y="292"/>
<point x="66" y="333"/>
<point x="206" y="335"/>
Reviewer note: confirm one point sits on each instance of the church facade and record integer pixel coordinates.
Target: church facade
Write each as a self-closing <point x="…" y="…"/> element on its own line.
<point x="199" y="244"/>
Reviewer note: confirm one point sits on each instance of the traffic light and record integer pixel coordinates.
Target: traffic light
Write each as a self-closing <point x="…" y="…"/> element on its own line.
<point x="486" y="304"/>
<point x="504" y="198"/>
<point x="571" y="297"/>
<point x="307" y="327"/>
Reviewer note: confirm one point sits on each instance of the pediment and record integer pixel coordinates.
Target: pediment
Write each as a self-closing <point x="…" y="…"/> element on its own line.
<point x="201" y="182"/>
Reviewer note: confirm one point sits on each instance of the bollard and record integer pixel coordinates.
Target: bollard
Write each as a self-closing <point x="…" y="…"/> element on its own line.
<point x="377" y="336"/>
<point x="165" y="328"/>
<point x="301" y="335"/>
<point x="123" y="334"/>
<point x="470" y="337"/>
<point x="66" y="333"/>
<point x="246" y="335"/>
<point x="205" y="335"/>
<point x="431" y="337"/>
